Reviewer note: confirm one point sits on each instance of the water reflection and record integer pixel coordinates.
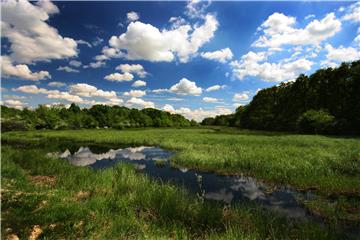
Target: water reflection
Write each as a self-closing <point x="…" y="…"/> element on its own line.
<point x="249" y="187"/>
<point x="222" y="195"/>
<point x="227" y="189"/>
<point x="85" y="157"/>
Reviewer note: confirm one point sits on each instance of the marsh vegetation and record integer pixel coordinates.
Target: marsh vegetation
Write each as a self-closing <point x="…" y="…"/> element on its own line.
<point x="80" y="202"/>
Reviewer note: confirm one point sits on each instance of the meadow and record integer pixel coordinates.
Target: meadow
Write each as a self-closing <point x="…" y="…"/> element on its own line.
<point x="76" y="202"/>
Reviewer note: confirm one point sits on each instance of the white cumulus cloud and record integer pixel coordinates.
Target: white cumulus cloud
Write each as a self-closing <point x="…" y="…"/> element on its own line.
<point x="96" y="64"/>
<point x="132" y="16"/>
<point x="279" y="30"/>
<point x="77" y="91"/>
<point x="342" y="54"/>
<point x="132" y="68"/>
<point x="221" y="55"/>
<point x="119" y="77"/>
<point x="86" y="90"/>
<point x="186" y="87"/>
<point x="48" y="6"/>
<point x="352" y="13"/>
<point x="14" y="103"/>
<point x="252" y="64"/>
<point x="32" y="89"/>
<point x="75" y="63"/>
<point x="52" y="94"/>
<point x="84" y="42"/>
<point x="135" y="93"/>
<point x="145" y="42"/>
<point x="56" y="84"/>
<point x="196" y="8"/>
<point x="215" y="88"/>
<point x="210" y="100"/>
<point x="168" y="108"/>
<point x="65" y="96"/>
<point x="238" y="97"/>
<point x="67" y="69"/>
<point x="197" y="114"/>
<point x="139" y="83"/>
<point x="139" y="103"/>
<point x="160" y="90"/>
<point x="21" y="71"/>
<point x="31" y="37"/>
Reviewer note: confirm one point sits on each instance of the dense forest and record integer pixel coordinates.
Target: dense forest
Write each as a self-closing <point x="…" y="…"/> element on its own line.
<point x="60" y="117"/>
<point x="327" y="101"/>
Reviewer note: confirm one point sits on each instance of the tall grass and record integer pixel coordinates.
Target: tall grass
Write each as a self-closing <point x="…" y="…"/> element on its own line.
<point x="330" y="165"/>
<point x="117" y="203"/>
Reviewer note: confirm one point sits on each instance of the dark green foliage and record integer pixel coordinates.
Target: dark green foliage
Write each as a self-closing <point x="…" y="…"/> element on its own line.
<point x="13" y="125"/>
<point x="230" y="120"/>
<point x="193" y="123"/>
<point x="224" y="120"/>
<point x="221" y="120"/>
<point x="313" y="121"/>
<point x="333" y="90"/>
<point x="98" y="116"/>
<point x="208" y="121"/>
<point x="13" y="121"/>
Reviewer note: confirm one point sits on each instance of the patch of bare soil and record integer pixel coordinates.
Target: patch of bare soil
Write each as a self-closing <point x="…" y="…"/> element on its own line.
<point x="82" y="195"/>
<point x="35" y="232"/>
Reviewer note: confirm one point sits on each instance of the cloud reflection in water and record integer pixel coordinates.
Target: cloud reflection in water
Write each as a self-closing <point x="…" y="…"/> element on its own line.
<point x="227" y="189"/>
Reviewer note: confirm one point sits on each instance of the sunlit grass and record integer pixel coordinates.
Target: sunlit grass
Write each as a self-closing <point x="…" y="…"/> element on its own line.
<point x="118" y="203"/>
<point x="305" y="161"/>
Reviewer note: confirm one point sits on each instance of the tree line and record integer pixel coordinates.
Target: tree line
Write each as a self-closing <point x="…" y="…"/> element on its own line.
<point x="327" y="101"/>
<point x="98" y="116"/>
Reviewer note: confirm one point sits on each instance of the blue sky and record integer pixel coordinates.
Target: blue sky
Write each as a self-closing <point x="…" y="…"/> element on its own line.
<point x="198" y="59"/>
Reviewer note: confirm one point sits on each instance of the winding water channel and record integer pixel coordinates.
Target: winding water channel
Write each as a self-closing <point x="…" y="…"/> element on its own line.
<point x="154" y="162"/>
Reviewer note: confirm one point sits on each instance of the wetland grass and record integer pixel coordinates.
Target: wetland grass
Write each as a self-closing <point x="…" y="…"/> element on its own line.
<point x="76" y="202"/>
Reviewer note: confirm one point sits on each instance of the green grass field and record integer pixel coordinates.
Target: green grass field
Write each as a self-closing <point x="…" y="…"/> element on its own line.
<point x="74" y="202"/>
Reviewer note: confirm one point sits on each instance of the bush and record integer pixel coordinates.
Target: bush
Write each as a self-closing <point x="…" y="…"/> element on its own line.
<point x="13" y="125"/>
<point x="315" y="121"/>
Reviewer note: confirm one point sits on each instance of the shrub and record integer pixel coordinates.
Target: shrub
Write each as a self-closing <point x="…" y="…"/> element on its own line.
<point x="13" y="125"/>
<point x="315" y="121"/>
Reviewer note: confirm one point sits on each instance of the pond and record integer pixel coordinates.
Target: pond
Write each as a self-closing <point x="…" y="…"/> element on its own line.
<point x="154" y="162"/>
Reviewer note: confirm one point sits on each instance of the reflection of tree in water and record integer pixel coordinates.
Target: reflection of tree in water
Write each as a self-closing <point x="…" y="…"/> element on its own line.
<point x="223" y="195"/>
<point x="201" y="193"/>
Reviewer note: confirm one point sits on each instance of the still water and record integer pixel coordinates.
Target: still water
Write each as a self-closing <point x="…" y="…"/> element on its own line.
<point x="154" y="162"/>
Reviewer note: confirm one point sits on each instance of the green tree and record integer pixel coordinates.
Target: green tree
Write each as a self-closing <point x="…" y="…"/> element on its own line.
<point x="315" y="121"/>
